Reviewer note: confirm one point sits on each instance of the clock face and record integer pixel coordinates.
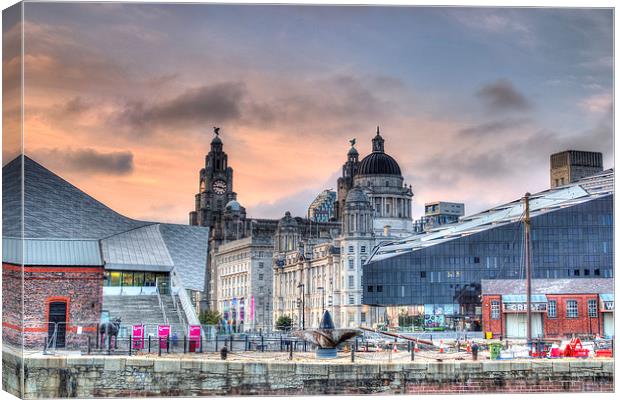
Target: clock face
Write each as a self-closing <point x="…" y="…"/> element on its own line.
<point x="219" y="186"/>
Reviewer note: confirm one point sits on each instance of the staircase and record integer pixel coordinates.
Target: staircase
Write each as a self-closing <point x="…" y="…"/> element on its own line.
<point x="143" y="309"/>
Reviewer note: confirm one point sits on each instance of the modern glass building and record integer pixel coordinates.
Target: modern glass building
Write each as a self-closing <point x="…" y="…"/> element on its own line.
<point x="437" y="275"/>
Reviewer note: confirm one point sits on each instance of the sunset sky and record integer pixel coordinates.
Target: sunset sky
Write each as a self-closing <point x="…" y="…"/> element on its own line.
<point x="120" y="99"/>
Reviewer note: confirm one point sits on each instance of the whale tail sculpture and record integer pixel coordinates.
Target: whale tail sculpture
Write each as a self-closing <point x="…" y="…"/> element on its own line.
<point x="326" y="337"/>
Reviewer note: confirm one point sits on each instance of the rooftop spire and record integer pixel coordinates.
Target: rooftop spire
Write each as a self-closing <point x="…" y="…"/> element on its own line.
<point x="377" y="142"/>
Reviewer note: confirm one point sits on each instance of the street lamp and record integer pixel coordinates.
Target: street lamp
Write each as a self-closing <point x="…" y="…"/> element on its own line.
<point x="303" y="305"/>
<point x="322" y="289"/>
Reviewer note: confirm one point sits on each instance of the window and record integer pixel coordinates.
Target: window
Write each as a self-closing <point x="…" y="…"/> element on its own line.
<point x="369" y="289"/>
<point x="363" y="317"/>
<point x="576" y="272"/>
<point x="351" y="265"/>
<point x="379" y="288"/>
<point x="350" y="249"/>
<point x="261" y="264"/>
<point x="351" y="299"/>
<point x="363" y="249"/>
<point x="351" y="282"/>
<point x="422" y="274"/>
<point x="592" y="311"/>
<point x="571" y="309"/>
<point x="495" y="309"/>
<point x="586" y="272"/>
<point x="551" y="311"/>
<point x="260" y="277"/>
<point x="476" y="260"/>
<point x="597" y="272"/>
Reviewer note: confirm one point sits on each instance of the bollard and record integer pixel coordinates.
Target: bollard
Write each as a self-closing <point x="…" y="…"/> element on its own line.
<point x="353" y="354"/>
<point x="412" y="354"/>
<point x="409" y="346"/>
<point x="356" y="344"/>
<point x="262" y="343"/>
<point x="149" y="344"/>
<point x="97" y="333"/>
<point x="88" y="344"/>
<point x="200" y="343"/>
<point x="290" y="354"/>
<point x="224" y="352"/>
<point x="130" y="345"/>
<point x="231" y="343"/>
<point x="109" y="344"/>
<point x="246" y="343"/>
<point x="159" y="346"/>
<point x="168" y="344"/>
<point x="184" y="344"/>
<point x="216" y="340"/>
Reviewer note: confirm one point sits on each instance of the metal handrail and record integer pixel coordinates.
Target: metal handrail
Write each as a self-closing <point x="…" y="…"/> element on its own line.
<point x="186" y="303"/>
<point x="161" y="305"/>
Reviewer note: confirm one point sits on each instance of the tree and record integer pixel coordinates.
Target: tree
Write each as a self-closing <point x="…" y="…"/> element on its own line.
<point x="210" y="317"/>
<point x="284" y="323"/>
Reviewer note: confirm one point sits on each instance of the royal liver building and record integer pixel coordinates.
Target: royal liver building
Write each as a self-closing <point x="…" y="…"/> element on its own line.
<point x="321" y="270"/>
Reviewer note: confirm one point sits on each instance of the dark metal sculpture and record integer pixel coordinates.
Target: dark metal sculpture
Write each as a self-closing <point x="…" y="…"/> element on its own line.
<point x="216" y="130"/>
<point x="327" y="337"/>
<point x="109" y="329"/>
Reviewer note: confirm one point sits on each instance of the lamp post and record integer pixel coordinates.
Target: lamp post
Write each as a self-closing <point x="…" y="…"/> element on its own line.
<point x="303" y="305"/>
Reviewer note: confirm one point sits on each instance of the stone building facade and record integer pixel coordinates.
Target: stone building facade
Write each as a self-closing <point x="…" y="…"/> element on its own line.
<point x="572" y="165"/>
<point x="373" y="205"/>
<point x="243" y="283"/>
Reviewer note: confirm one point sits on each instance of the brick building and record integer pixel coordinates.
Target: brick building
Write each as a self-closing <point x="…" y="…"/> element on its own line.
<point x="560" y="307"/>
<point x="64" y="254"/>
<point x="62" y="280"/>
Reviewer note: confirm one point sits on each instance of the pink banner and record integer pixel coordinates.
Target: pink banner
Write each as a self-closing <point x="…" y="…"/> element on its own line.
<point x="252" y="308"/>
<point x="194" y="337"/>
<point x="137" y="333"/>
<point x="163" y="331"/>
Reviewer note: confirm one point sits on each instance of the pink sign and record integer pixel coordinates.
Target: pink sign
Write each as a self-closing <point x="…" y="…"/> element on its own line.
<point x="252" y="308"/>
<point x="163" y="331"/>
<point x="137" y="333"/>
<point x="194" y="337"/>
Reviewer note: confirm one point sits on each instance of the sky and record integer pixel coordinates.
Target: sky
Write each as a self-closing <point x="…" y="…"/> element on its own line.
<point x="121" y="99"/>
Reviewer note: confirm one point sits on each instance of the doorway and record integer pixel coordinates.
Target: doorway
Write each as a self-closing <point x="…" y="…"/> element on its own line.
<point x="57" y="323"/>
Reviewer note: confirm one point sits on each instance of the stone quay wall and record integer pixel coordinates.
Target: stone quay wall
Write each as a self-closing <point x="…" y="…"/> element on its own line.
<point x="139" y="376"/>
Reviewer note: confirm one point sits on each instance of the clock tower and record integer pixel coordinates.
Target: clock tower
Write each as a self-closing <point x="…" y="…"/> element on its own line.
<point x="215" y="188"/>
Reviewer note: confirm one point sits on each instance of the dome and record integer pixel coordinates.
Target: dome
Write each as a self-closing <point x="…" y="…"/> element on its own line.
<point x="287" y="220"/>
<point x="357" y="195"/>
<point x="378" y="163"/>
<point x="233" y="205"/>
<point x="216" y="140"/>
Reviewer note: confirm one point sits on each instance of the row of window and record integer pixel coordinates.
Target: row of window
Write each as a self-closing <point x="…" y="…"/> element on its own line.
<point x="572" y="309"/>
<point x="352" y="249"/>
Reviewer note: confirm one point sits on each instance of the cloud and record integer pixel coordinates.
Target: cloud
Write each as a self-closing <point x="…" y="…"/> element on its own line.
<point x="597" y="103"/>
<point x="207" y="104"/>
<point x="502" y="96"/>
<point x="493" y="127"/>
<point x="86" y="160"/>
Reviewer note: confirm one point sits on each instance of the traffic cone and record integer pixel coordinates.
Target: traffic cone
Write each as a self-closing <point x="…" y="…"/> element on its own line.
<point x="395" y="348"/>
<point x="416" y="348"/>
<point x="441" y="346"/>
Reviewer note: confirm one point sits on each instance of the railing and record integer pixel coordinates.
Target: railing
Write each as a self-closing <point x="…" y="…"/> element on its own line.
<point x="161" y="306"/>
<point x="186" y="303"/>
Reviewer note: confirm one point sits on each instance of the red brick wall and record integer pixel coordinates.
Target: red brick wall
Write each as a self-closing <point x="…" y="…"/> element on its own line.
<point x="488" y="324"/>
<point x="563" y="326"/>
<point x="80" y="287"/>
<point x="560" y="326"/>
<point x="12" y="305"/>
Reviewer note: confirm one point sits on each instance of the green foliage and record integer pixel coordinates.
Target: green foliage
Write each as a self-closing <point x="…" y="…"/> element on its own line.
<point x="284" y="323"/>
<point x="210" y="317"/>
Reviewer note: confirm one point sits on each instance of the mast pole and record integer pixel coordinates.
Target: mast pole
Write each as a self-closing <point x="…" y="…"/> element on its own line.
<point x="528" y="269"/>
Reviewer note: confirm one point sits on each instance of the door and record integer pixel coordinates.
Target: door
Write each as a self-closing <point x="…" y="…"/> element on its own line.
<point x="57" y="322"/>
<point x="516" y="325"/>
<point x="608" y="324"/>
